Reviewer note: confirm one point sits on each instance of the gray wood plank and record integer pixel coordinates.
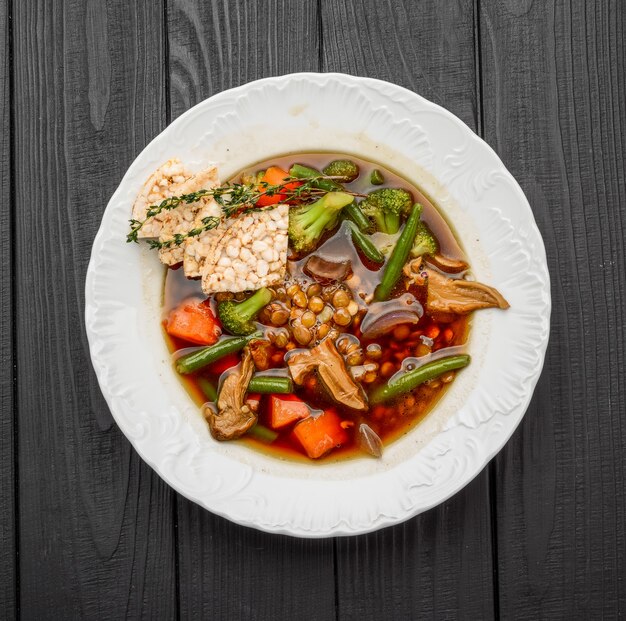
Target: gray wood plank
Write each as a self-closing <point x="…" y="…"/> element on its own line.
<point x="96" y="525"/>
<point x="8" y="542"/>
<point x="554" y="84"/>
<point x="439" y="564"/>
<point x="229" y="572"/>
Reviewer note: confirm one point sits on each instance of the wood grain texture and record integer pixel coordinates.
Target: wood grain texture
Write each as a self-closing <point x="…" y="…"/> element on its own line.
<point x="8" y="561"/>
<point x="437" y="565"/>
<point x="425" y="46"/>
<point x="554" y="84"/>
<point x="227" y="43"/>
<point x="96" y="527"/>
<point x="229" y="572"/>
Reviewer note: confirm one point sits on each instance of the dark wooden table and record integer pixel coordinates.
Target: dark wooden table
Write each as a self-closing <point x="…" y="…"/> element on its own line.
<point x="88" y="530"/>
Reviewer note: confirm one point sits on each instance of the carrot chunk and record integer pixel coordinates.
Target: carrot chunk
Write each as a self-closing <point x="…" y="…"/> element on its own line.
<point x="193" y="321"/>
<point x="285" y="410"/>
<point x="275" y="175"/>
<point x="320" y="434"/>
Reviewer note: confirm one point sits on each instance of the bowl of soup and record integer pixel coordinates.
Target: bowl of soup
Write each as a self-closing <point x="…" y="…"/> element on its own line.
<point x="317" y="304"/>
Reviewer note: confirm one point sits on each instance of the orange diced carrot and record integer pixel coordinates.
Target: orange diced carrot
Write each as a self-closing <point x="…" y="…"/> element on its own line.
<point x="275" y="175"/>
<point x="285" y="410"/>
<point x="320" y="434"/>
<point x="193" y="321"/>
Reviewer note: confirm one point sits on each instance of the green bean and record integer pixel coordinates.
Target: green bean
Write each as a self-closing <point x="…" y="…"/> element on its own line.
<point x="270" y="384"/>
<point x="358" y="217"/>
<point x="304" y="172"/>
<point x="263" y="433"/>
<point x="198" y="359"/>
<point x="365" y="244"/>
<point x="399" y="255"/>
<point x="376" y="178"/>
<point x="207" y="388"/>
<point x="412" y="379"/>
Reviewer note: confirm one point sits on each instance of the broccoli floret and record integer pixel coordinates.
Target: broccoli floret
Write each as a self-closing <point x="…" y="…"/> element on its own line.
<point x="237" y="317"/>
<point x="346" y="170"/>
<point x="425" y="242"/>
<point x="308" y="223"/>
<point x="386" y="208"/>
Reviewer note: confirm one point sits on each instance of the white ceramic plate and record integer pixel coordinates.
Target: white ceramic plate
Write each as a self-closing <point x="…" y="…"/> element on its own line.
<point x="378" y="121"/>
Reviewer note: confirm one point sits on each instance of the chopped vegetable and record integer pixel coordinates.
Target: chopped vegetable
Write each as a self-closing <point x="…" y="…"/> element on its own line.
<point x="262" y="433"/>
<point x="237" y="317"/>
<point x="384" y="317"/>
<point x="386" y="207"/>
<point x="425" y="242"/>
<point x="412" y="379"/>
<point x="309" y="222"/>
<point x="201" y="358"/>
<point x="273" y="176"/>
<point x="399" y="255"/>
<point x="304" y="172"/>
<point x="193" y="321"/>
<point x="353" y="211"/>
<point x="233" y="416"/>
<point x="365" y="244"/>
<point x="346" y="170"/>
<point x="285" y="410"/>
<point x="376" y="178"/>
<point x="325" y="272"/>
<point x="320" y="434"/>
<point x="207" y="388"/>
<point x="271" y="384"/>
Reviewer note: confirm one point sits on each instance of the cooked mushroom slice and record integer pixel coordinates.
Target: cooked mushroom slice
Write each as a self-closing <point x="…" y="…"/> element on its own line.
<point x="450" y="295"/>
<point x="301" y="363"/>
<point x="325" y="272"/>
<point x="446" y="264"/>
<point x="233" y="417"/>
<point x="332" y="372"/>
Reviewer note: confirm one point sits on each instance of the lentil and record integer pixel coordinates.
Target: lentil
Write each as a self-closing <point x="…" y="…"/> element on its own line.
<point x="341" y="299"/>
<point x="300" y="299"/>
<point x="308" y="319"/>
<point x="342" y="317"/>
<point x="316" y="304"/>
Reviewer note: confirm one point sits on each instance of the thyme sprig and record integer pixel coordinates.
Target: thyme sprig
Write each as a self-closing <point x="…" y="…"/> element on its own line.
<point x="233" y="198"/>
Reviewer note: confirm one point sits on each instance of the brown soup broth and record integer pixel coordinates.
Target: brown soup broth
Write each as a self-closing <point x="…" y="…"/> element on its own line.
<point x="392" y="419"/>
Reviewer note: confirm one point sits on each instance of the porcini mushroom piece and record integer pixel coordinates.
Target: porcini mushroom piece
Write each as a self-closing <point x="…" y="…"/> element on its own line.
<point x="331" y="370"/>
<point x="455" y="295"/>
<point x="325" y="272"/>
<point x="233" y="416"/>
<point x="446" y="264"/>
